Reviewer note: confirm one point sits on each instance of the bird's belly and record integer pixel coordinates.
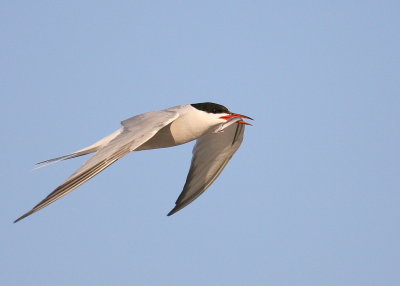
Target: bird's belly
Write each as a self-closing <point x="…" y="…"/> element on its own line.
<point x="176" y="133"/>
<point x="162" y="139"/>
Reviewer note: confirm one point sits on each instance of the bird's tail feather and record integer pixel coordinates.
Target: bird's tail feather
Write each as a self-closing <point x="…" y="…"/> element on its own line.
<point x="90" y="149"/>
<point x="64" y="157"/>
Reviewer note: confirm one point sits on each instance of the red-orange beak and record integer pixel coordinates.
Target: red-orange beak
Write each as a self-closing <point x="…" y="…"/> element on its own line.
<point x="237" y="115"/>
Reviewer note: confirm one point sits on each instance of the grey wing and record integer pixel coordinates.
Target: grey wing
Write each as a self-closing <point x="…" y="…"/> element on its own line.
<point x="136" y="131"/>
<point x="210" y="155"/>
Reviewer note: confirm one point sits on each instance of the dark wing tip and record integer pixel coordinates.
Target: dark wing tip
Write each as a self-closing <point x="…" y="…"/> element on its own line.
<point x="24" y="216"/>
<point x="174" y="210"/>
<point x="180" y="203"/>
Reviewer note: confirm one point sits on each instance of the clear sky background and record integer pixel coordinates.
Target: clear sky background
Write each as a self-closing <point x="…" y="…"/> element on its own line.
<point x="311" y="197"/>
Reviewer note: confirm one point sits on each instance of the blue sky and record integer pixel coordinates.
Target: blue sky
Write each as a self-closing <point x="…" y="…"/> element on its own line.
<point x="311" y="197"/>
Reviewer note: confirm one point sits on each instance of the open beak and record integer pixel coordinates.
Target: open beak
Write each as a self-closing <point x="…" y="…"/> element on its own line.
<point x="237" y="115"/>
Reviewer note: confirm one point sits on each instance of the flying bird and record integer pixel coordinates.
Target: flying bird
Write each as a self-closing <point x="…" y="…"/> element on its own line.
<point x="218" y="131"/>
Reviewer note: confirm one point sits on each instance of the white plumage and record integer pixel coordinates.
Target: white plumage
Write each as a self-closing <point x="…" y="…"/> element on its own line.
<point x="211" y="124"/>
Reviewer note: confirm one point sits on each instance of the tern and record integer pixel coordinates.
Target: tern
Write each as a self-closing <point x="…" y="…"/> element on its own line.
<point x="218" y="131"/>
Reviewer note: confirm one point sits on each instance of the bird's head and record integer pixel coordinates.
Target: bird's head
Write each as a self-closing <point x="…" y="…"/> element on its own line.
<point x="222" y="114"/>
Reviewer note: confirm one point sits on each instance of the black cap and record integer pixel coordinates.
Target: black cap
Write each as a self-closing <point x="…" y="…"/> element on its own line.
<point x="211" y="107"/>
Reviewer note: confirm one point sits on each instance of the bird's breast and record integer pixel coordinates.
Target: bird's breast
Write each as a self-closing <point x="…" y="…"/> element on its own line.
<point x="188" y="128"/>
<point x="184" y="129"/>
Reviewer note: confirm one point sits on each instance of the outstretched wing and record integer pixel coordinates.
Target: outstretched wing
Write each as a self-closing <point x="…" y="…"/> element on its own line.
<point x="135" y="132"/>
<point x="210" y="155"/>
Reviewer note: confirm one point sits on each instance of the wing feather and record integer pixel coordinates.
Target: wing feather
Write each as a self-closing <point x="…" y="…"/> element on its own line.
<point x="210" y="155"/>
<point x="136" y="131"/>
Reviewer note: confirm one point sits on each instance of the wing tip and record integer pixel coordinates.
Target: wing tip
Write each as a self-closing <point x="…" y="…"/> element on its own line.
<point x="174" y="210"/>
<point x="24" y="216"/>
